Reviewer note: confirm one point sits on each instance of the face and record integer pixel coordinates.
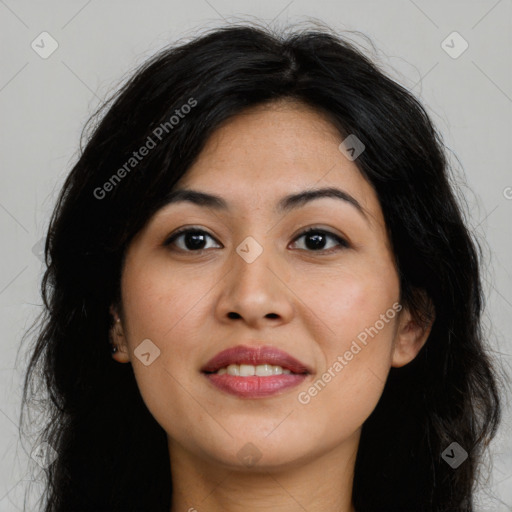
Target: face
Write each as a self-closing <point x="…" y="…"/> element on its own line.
<point x="248" y="275"/>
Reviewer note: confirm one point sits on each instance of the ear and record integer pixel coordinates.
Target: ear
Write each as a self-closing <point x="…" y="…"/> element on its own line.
<point x="412" y="334"/>
<point x="117" y="338"/>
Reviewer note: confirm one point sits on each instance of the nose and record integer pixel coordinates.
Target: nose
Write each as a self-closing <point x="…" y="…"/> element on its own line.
<point x="255" y="292"/>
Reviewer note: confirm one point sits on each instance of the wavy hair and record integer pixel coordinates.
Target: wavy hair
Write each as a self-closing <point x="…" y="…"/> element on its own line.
<point x="111" y="453"/>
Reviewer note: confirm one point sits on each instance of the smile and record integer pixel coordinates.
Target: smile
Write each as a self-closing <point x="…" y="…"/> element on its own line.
<point x="248" y="370"/>
<point x="254" y="372"/>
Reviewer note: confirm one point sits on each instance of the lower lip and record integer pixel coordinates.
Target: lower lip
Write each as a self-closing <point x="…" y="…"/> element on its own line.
<point x="255" y="387"/>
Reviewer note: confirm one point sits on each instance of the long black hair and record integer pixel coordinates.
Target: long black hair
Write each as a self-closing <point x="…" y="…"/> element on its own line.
<point x="110" y="452"/>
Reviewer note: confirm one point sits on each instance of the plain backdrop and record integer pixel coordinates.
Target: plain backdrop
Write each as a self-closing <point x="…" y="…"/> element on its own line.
<point x="45" y="102"/>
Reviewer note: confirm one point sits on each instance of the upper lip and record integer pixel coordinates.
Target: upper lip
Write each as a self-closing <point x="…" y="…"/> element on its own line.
<point x="244" y="354"/>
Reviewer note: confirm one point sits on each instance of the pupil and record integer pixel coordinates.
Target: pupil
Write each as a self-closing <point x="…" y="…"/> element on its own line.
<point x="193" y="236"/>
<point x="316" y="244"/>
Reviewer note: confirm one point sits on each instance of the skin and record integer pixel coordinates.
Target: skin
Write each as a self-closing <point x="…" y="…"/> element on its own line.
<point x="309" y="303"/>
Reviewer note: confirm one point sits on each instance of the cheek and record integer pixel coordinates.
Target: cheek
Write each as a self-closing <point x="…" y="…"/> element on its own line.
<point x="165" y="308"/>
<point x="351" y="301"/>
<point x="358" y="312"/>
<point x="159" y="302"/>
<point x="162" y="307"/>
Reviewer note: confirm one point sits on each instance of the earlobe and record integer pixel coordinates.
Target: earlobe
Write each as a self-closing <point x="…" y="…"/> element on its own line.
<point x="411" y="336"/>
<point x="121" y="354"/>
<point x="117" y="339"/>
<point x="119" y="346"/>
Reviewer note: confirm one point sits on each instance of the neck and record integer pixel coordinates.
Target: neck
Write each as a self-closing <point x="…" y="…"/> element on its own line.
<point x="320" y="484"/>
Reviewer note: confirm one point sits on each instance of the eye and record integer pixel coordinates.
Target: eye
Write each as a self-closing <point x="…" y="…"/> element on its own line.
<point x="317" y="237"/>
<point x="194" y="239"/>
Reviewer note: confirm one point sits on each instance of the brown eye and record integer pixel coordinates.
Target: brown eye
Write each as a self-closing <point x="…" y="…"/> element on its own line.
<point x="193" y="239"/>
<point x="316" y="239"/>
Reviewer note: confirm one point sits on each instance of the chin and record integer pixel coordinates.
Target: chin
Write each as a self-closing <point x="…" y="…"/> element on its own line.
<point x="253" y="453"/>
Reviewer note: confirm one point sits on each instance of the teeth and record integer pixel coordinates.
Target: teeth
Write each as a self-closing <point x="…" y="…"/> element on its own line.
<point x="234" y="369"/>
<point x="248" y="370"/>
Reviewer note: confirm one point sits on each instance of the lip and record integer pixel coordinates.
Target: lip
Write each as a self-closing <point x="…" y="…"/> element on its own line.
<point x="244" y="354"/>
<point x="255" y="386"/>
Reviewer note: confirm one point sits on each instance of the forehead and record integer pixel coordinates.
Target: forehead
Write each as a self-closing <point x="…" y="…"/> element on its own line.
<point x="267" y="152"/>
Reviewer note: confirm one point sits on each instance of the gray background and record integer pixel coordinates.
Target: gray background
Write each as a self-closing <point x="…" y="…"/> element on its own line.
<point x="45" y="102"/>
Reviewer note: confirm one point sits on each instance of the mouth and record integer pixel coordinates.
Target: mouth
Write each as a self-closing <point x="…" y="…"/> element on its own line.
<point x="254" y="372"/>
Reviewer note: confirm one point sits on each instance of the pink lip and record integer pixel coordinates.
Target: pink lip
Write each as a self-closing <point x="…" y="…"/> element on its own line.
<point x="255" y="386"/>
<point x="243" y="354"/>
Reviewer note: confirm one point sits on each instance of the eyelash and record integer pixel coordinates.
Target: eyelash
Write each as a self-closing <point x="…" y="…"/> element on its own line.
<point x="341" y="241"/>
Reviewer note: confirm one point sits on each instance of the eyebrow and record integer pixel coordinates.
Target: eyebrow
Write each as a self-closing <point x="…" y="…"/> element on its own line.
<point x="286" y="204"/>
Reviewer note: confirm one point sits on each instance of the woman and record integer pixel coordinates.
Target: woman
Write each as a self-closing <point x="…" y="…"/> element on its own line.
<point x="262" y="227"/>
